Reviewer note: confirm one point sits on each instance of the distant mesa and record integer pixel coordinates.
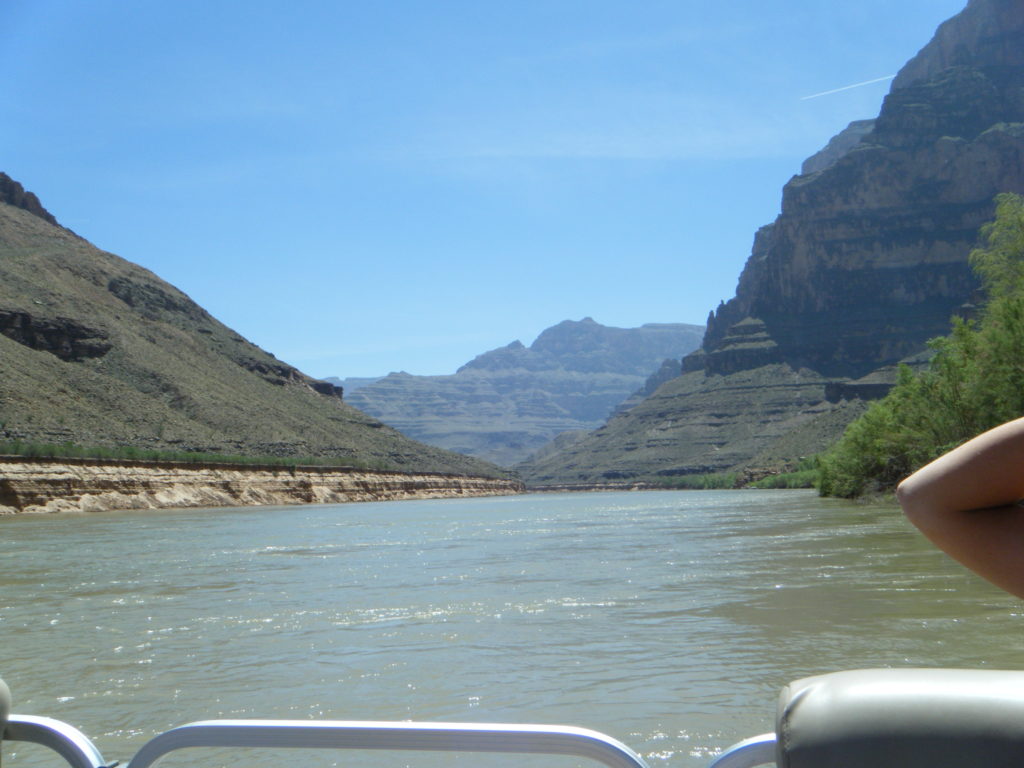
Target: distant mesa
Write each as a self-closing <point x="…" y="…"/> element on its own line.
<point x="506" y="403"/>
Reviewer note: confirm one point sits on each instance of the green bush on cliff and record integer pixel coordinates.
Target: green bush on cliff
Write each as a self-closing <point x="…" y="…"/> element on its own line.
<point x="974" y="382"/>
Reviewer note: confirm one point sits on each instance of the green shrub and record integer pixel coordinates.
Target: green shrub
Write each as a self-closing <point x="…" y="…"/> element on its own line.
<point x="974" y="381"/>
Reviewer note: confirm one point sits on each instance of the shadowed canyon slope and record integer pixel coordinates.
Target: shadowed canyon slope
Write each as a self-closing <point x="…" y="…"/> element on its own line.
<point x="97" y="351"/>
<point x="867" y="261"/>
<point x="505" y="404"/>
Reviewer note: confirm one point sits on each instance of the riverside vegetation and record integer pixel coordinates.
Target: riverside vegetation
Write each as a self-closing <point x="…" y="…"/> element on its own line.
<point x="975" y="380"/>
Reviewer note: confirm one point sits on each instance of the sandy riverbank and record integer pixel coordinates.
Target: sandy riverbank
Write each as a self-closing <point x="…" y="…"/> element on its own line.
<point x="61" y="485"/>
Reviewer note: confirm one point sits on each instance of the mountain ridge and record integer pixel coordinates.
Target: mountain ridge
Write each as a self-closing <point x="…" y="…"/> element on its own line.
<point x="506" y="403"/>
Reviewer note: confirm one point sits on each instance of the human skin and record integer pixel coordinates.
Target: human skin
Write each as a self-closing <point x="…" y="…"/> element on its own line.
<point x="966" y="503"/>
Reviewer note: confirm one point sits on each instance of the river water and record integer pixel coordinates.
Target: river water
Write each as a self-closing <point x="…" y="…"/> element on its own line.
<point x="667" y="619"/>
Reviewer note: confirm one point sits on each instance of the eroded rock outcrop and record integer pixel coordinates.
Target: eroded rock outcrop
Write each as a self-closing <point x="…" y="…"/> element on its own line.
<point x="67" y="339"/>
<point x="12" y="193"/>
<point x="839" y="145"/>
<point x="32" y="486"/>
<point x="869" y="257"/>
<point x="985" y="34"/>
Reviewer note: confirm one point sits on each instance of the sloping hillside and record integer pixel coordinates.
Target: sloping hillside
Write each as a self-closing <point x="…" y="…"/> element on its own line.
<point x="96" y="350"/>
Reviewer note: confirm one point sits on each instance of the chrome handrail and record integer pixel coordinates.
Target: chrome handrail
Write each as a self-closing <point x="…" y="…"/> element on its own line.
<point x="66" y="740"/>
<point x="79" y="752"/>
<point x="757" y="750"/>
<point x="354" y="734"/>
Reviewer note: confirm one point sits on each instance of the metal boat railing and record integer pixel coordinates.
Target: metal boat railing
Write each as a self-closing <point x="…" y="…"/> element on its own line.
<point x="79" y="752"/>
<point x="914" y="718"/>
<point x="66" y="740"/>
<point x="757" y="750"/>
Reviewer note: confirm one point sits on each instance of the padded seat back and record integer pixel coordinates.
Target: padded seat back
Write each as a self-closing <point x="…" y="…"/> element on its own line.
<point x="5" y="706"/>
<point x="905" y="718"/>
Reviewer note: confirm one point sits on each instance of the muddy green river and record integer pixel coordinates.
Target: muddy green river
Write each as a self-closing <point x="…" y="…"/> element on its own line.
<point x="668" y="620"/>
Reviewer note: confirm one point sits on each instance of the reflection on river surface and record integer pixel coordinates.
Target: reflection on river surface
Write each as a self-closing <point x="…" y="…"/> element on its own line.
<point x="666" y="619"/>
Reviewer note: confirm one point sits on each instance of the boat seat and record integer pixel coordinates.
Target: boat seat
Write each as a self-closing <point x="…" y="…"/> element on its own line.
<point x="5" y="705"/>
<point x="905" y="718"/>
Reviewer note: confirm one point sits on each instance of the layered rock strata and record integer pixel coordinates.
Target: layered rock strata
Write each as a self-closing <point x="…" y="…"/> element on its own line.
<point x="31" y="486"/>
<point x="696" y="424"/>
<point x="867" y="261"/>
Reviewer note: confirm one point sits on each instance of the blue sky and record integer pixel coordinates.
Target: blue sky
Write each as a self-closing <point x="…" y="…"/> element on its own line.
<point x="368" y="187"/>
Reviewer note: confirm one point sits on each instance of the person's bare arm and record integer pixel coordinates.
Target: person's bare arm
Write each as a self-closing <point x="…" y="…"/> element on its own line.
<point x="966" y="503"/>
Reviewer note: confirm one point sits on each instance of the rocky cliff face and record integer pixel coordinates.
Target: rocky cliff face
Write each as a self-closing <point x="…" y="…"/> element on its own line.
<point x="867" y="261"/>
<point x="985" y="34"/>
<point x="508" y="402"/>
<point x="869" y="257"/>
<point x="839" y="145"/>
<point x="13" y="194"/>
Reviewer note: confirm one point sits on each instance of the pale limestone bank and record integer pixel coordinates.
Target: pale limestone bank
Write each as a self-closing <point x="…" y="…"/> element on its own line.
<point x="88" y="486"/>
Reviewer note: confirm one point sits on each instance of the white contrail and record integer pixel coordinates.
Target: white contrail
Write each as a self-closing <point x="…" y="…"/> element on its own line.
<point x="847" y="87"/>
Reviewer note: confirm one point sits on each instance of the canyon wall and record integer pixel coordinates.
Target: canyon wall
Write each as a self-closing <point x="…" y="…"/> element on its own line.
<point x="869" y="257"/>
<point x="866" y="262"/>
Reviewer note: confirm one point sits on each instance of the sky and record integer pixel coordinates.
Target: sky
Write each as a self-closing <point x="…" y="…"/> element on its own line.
<point x="366" y="187"/>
